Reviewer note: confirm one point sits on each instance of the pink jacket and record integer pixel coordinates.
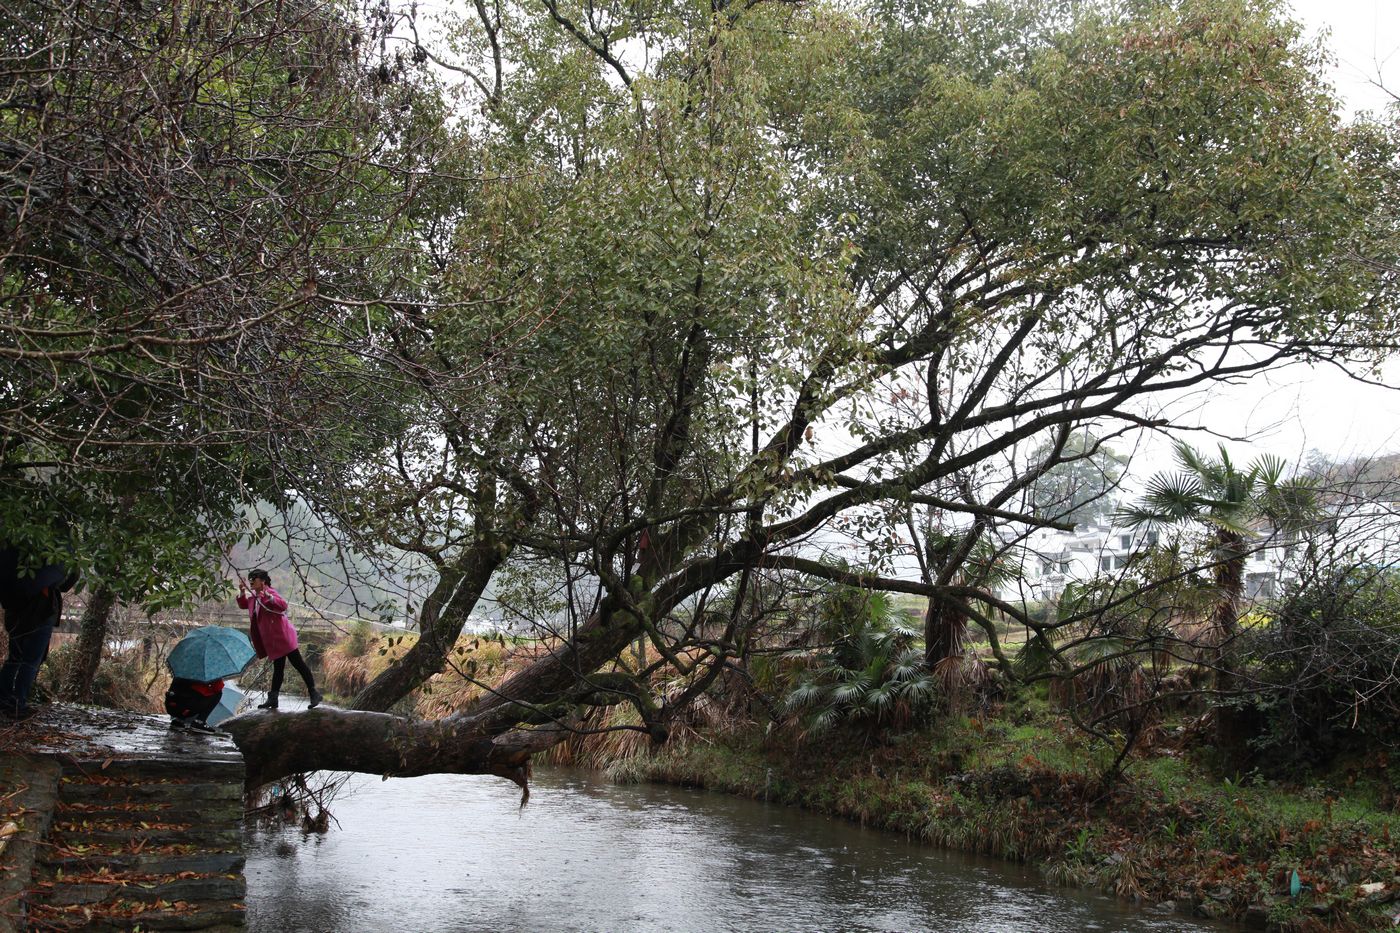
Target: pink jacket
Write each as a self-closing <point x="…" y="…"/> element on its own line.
<point x="273" y="636"/>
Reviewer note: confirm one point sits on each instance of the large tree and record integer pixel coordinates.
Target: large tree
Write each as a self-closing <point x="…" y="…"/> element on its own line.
<point x="199" y="211"/>
<point x="788" y="269"/>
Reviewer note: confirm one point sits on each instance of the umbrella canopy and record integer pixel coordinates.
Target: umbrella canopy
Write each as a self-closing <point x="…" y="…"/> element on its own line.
<point x="228" y="705"/>
<point x="210" y="653"/>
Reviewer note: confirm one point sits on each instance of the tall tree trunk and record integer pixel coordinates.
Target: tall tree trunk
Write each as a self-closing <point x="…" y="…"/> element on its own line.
<point x="440" y="622"/>
<point x="92" y="638"/>
<point x="945" y="630"/>
<point x="1230" y="727"/>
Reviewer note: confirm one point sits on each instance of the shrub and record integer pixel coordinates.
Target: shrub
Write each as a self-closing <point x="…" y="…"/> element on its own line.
<point x="1326" y="679"/>
<point x="356" y="643"/>
<point x="871" y="674"/>
<point x="124" y="680"/>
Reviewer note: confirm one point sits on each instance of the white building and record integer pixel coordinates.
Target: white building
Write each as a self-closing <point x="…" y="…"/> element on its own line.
<point x="1360" y="531"/>
<point x="1049" y="559"/>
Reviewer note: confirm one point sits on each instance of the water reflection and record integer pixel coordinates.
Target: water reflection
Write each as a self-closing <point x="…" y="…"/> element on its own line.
<point x="454" y="853"/>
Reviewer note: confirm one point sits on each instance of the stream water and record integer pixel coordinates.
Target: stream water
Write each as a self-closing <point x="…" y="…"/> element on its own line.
<point x="456" y="853"/>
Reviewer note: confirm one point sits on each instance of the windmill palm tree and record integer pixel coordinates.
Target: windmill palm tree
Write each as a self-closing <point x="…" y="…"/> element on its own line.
<point x="871" y="674"/>
<point x="1231" y="502"/>
<point x="961" y="559"/>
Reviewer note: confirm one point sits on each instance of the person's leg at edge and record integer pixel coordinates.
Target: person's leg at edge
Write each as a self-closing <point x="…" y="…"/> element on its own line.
<point x="304" y="670"/>
<point x="279" y="668"/>
<point x="28" y="647"/>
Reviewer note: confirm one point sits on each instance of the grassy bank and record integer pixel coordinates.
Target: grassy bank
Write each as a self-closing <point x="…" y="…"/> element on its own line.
<point x="1027" y="790"/>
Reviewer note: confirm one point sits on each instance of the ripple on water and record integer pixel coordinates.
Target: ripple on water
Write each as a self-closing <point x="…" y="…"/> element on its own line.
<point x="456" y="853"/>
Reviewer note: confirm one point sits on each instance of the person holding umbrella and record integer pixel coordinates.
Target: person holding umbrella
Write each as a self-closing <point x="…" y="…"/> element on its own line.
<point x="273" y="635"/>
<point x="198" y="665"/>
<point x="189" y="703"/>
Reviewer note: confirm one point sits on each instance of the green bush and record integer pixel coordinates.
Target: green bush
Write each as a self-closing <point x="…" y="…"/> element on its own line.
<point x="357" y="642"/>
<point x="1326" y="678"/>
<point x="870" y="673"/>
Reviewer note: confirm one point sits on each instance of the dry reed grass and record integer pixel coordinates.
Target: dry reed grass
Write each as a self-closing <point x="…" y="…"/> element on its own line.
<point x="125" y="680"/>
<point x="342" y="674"/>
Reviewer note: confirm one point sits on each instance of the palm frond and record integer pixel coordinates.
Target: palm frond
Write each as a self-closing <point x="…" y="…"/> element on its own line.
<point x="1234" y="520"/>
<point x="1268" y="469"/>
<point x="824" y="720"/>
<point x="1173" y="497"/>
<point x="1193" y="461"/>
<point x="1035" y="655"/>
<point x="881" y="698"/>
<point x="1291" y="505"/>
<point x="1110" y="649"/>
<point x="921" y="690"/>
<point x="805" y="696"/>
<point x="849" y="693"/>
<point x="1138" y="517"/>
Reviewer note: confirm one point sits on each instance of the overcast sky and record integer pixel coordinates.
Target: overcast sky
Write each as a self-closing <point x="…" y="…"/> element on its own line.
<point x="1365" y="37"/>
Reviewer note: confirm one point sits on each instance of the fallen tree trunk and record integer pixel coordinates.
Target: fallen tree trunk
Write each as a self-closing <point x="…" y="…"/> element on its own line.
<point x="275" y="745"/>
<point x="531" y="711"/>
<point x="497" y="735"/>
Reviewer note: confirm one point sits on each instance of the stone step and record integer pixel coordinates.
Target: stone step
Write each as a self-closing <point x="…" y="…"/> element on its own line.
<point x="109" y="835"/>
<point x="213" y="813"/>
<point x="86" y="791"/>
<point x="125" y="849"/>
<point x="203" y="863"/>
<point x="212" y="916"/>
<point x="58" y="893"/>
<point x="180" y="769"/>
<point x="143" y="828"/>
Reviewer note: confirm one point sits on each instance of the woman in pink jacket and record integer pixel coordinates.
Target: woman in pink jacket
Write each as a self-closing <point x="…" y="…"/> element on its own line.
<point x="273" y="635"/>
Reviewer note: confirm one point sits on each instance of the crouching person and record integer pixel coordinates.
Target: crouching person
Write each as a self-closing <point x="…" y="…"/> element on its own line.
<point x="189" y="703"/>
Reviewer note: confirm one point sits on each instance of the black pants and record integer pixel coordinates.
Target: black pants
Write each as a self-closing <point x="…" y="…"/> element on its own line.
<point x="279" y="667"/>
<point x="29" y="628"/>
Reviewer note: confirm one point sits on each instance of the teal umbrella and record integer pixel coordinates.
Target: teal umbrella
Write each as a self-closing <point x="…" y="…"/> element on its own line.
<point x="227" y="707"/>
<point x="209" y="653"/>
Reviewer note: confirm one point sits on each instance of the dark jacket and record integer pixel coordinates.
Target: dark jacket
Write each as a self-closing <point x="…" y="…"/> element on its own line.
<point x="32" y="598"/>
<point x="192" y="698"/>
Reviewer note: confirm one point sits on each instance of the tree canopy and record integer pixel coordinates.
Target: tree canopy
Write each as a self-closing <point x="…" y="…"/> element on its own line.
<point x="703" y="286"/>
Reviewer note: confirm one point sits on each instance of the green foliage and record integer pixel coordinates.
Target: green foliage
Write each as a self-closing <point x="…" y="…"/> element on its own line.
<point x="1224" y="496"/>
<point x="186" y="210"/>
<point x="621" y="289"/>
<point x="870" y="676"/>
<point x="357" y="643"/>
<point x="1324" y="669"/>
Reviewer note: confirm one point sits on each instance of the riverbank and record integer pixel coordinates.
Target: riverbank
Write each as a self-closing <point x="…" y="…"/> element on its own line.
<point x="1166" y="833"/>
<point x="1020" y="782"/>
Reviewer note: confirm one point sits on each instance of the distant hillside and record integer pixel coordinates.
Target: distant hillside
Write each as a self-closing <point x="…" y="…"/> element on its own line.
<point x="315" y="571"/>
<point x="1371" y="478"/>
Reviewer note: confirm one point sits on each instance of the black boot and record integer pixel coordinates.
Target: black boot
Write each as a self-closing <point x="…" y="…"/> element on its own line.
<point x="269" y="703"/>
<point x="316" y="699"/>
